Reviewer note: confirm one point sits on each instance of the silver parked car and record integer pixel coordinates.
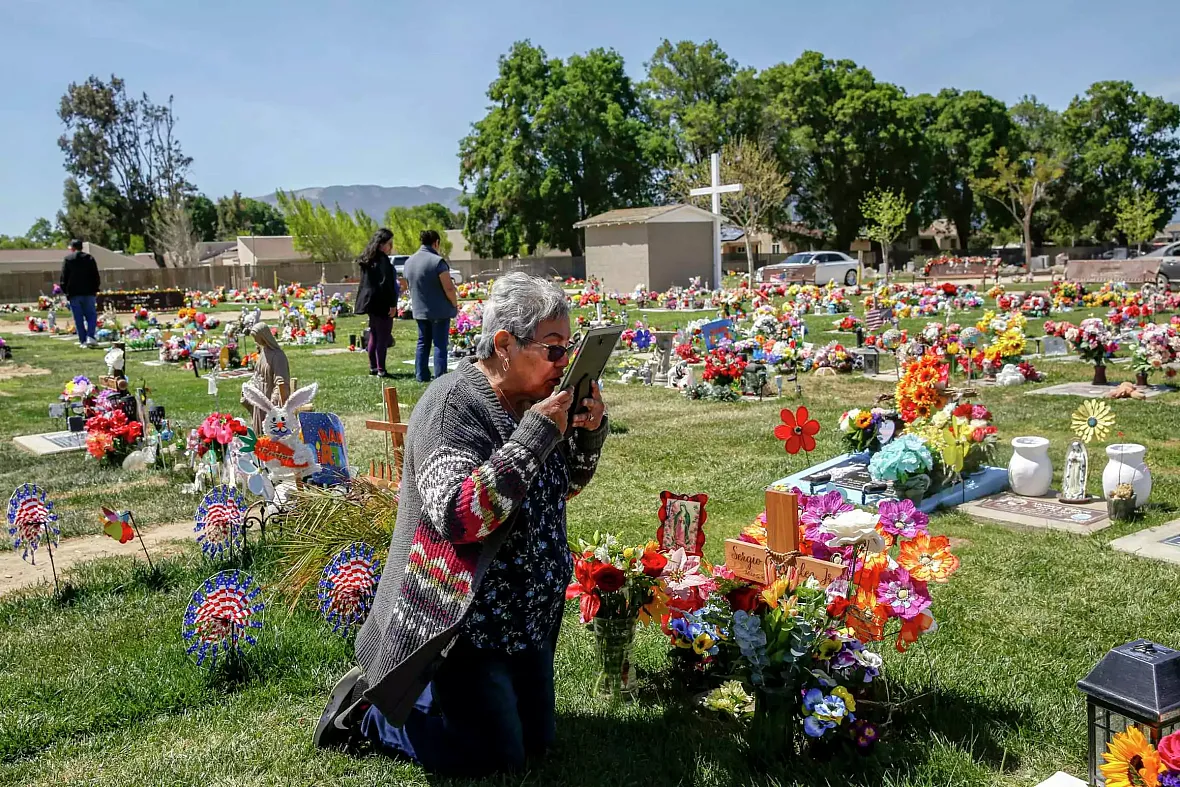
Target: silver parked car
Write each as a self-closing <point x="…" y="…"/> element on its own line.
<point x="829" y="266"/>
<point x="1169" y="271"/>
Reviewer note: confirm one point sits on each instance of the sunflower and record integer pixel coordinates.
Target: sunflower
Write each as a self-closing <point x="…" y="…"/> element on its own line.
<point x="1093" y="420"/>
<point x="1131" y="760"/>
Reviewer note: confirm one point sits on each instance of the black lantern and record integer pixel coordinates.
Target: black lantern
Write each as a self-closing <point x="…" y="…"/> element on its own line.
<point x="870" y="360"/>
<point x="1137" y="684"/>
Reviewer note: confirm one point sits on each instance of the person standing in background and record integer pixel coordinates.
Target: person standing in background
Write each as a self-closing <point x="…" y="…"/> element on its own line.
<point x="80" y="283"/>
<point x="377" y="297"/>
<point x="435" y="303"/>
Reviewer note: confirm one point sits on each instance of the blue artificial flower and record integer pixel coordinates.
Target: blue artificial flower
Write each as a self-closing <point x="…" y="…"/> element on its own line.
<point x="815" y="728"/>
<point x="901" y="458"/>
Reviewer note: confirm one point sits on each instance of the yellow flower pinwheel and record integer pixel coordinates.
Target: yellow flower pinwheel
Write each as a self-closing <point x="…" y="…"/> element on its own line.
<point x="1093" y="420"/>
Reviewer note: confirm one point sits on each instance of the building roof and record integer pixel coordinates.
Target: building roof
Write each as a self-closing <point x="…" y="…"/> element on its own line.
<point x="271" y="247"/>
<point x="650" y="214"/>
<point x="939" y="228"/>
<point x="14" y="260"/>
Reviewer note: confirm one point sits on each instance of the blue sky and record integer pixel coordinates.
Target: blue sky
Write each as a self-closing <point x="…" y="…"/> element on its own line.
<point x="296" y="93"/>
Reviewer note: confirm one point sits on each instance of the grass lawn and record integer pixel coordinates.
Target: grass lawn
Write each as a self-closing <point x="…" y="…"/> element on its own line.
<point x="99" y="691"/>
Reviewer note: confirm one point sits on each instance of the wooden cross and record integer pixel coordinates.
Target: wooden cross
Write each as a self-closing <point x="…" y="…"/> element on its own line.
<point x="384" y="474"/>
<point x="780" y="557"/>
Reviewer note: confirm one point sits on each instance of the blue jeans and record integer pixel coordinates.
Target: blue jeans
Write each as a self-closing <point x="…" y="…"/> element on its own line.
<point x="85" y="309"/>
<point x="438" y="333"/>
<point x="484" y="712"/>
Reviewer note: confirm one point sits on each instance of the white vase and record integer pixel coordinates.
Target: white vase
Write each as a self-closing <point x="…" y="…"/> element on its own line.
<point x="1030" y="473"/>
<point x="1126" y="466"/>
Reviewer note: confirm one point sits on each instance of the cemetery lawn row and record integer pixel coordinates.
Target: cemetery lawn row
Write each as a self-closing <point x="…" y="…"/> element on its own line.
<point x="99" y="691"/>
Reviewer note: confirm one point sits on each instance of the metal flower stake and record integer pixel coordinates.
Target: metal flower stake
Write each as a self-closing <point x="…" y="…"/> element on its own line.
<point x="31" y="521"/>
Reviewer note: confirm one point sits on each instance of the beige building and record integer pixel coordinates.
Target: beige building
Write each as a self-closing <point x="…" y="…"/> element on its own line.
<point x="656" y="247"/>
<point x="253" y="249"/>
<point x="49" y="260"/>
<point x="461" y="251"/>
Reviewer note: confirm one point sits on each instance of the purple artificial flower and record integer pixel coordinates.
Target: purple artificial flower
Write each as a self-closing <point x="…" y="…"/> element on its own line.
<point x="902" y="518"/>
<point x="1170" y="779"/>
<point x="906" y="597"/>
<point x="817" y="509"/>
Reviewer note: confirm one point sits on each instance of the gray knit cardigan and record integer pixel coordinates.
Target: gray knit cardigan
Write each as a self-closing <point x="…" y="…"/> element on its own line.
<point x="464" y="476"/>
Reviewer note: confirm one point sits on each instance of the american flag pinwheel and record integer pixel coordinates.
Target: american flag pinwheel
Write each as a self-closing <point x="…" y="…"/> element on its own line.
<point x="348" y="586"/>
<point x="224" y="614"/>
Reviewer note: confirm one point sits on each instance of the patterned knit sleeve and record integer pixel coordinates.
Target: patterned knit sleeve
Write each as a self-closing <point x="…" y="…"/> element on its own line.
<point x="465" y="497"/>
<point x="583" y="449"/>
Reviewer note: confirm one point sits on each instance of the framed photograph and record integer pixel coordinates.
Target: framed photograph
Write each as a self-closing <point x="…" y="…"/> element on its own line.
<point x="682" y="522"/>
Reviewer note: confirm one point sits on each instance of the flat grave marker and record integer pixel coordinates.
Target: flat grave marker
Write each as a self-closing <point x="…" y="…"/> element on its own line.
<point x="1042" y="513"/>
<point x="50" y="443"/>
<point x="1156" y="543"/>
<point x="1090" y="391"/>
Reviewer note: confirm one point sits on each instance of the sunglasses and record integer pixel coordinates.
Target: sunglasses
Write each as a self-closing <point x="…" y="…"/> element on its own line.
<point x="555" y="352"/>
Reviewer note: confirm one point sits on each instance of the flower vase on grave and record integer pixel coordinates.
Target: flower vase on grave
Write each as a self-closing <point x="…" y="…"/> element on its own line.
<point x="1126" y="466"/>
<point x="1030" y="473"/>
<point x="614" y="639"/>
<point x="1141" y="379"/>
<point x="1099" y="375"/>
<point x="775" y="724"/>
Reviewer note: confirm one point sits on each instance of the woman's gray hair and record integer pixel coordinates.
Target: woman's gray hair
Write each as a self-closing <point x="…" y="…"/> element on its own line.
<point x="518" y="304"/>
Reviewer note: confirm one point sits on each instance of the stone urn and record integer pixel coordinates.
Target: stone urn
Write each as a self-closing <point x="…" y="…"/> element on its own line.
<point x="1125" y="465"/>
<point x="1030" y="473"/>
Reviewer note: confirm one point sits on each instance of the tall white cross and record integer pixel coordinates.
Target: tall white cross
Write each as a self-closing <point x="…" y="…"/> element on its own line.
<point x="715" y="191"/>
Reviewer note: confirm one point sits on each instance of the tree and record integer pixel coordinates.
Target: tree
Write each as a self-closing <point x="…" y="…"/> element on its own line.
<point x="238" y="215"/>
<point x="560" y="142"/>
<point x="839" y="132"/>
<point x="204" y="216"/>
<point x="1138" y="217"/>
<point x="92" y="217"/>
<point x="121" y="151"/>
<point x="326" y="235"/>
<point x="1118" y="139"/>
<point x="45" y="235"/>
<point x="700" y="98"/>
<point x="174" y="235"/>
<point x="751" y="163"/>
<point x="887" y="213"/>
<point x="408" y="223"/>
<point x="962" y="133"/>
<point x="1019" y="184"/>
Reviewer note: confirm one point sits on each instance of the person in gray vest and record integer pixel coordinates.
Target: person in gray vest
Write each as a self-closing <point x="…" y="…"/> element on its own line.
<point x="435" y="303"/>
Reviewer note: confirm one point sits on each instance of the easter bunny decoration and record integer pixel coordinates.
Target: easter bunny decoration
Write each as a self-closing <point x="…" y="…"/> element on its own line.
<point x="279" y="447"/>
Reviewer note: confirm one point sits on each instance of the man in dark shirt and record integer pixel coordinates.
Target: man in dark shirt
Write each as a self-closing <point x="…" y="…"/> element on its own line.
<point x="435" y="302"/>
<point x="80" y="283"/>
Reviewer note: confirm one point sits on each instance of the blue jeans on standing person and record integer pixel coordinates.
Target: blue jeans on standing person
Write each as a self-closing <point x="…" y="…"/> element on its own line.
<point x="438" y="333"/>
<point x="85" y="309"/>
<point x="484" y="712"/>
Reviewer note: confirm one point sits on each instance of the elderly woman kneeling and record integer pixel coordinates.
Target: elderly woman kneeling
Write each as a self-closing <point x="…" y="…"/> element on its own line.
<point x="457" y="655"/>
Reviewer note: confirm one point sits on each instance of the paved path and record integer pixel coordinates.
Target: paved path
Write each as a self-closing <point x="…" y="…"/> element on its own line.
<point x="161" y="541"/>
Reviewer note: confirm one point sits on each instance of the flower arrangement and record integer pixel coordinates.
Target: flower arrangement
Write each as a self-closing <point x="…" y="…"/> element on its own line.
<point x="834" y="356"/>
<point x="1092" y="340"/>
<point x="962" y="434"/>
<point x="1030" y="372"/>
<point x="687" y="353"/>
<point x="111" y="436"/>
<point x="216" y="432"/>
<point x="1131" y="761"/>
<point x="907" y="462"/>
<point x="848" y="323"/>
<point x="723" y="367"/>
<point x="864" y="430"/>
<point x="920" y="392"/>
<point x="79" y="388"/>
<point x="1156" y="346"/>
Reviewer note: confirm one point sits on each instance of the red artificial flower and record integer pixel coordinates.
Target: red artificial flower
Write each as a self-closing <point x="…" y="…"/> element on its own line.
<point x="838" y="606"/>
<point x="583" y="586"/>
<point x="743" y="599"/>
<point x="963" y="410"/>
<point x="798" y="430"/>
<point x="1169" y="751"/>
<point x="653" y="563"/>
<point x="608" y="578"/>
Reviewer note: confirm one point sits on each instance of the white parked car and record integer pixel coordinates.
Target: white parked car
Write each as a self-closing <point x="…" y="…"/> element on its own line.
<point x="829" y="266"/>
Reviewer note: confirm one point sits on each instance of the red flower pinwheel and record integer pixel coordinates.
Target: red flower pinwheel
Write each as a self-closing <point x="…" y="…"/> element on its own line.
<point x="798" y="429"/>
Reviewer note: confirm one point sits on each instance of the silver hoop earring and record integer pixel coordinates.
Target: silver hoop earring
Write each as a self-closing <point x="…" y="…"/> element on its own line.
<point x="504" y="366"/>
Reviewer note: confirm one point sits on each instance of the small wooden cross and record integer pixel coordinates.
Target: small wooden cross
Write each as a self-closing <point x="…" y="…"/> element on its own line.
<point x="780" y="557"/>
<point x="384" y="474"/>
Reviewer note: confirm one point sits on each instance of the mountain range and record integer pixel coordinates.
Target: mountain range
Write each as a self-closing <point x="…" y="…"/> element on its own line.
<point x="374" y="200"/>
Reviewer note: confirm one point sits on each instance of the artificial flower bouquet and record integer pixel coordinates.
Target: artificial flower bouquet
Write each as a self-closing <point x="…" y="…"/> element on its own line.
<point x="615" y="585"/>
<point x="1092" y="340"/>
<point x="908" y="463"/>
<point x="77" y="389"/>
<point x="723" y="367"/>
<point x="1130" y="760"/>
<point x="963" y="436"/>
<point x="215" y="434"/>
<point x="1157" y="346"/>
<point x="921" y="392"/>
<point x="111" y="436"/>
<point x="834" y="356"/>
<point x="868" y="430"/>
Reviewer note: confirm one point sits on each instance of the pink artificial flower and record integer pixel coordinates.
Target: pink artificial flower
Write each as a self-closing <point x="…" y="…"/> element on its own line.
<point x="905" y="596"/>
<point x="683" y="574"/>
<point x="902" y="518"/>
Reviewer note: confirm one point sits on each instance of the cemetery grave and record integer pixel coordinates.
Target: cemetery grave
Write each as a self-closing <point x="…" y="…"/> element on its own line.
<point x="980" y="705"/>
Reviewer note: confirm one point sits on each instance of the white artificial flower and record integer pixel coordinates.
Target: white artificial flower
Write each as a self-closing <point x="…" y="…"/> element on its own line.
<point x="853" y="527"/>
<point x="847" y="419"/>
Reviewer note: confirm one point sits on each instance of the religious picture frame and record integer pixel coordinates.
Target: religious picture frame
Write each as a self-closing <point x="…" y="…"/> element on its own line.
<point x="682" y="523"/>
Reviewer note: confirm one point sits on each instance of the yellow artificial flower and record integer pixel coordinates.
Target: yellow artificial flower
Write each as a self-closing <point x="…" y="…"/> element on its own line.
<point x="1093" y="420"/>
<point x="845" y="695"/>
<point x="1131" y="760"/>
<point x="703" y="643"/>
<point x="828" y="648"/>
<point x="773" y="594"/>
<point x="953" y="348"/>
